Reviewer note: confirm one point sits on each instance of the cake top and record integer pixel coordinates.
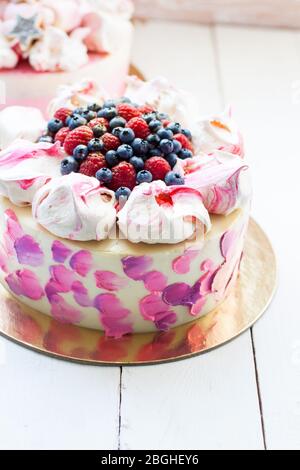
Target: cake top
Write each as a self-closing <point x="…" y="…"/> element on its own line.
<point x="147" y="165"/>
<point x="57" y="35"/>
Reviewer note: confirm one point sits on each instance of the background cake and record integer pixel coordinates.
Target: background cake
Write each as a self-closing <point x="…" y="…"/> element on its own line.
<point x="44" y="44"/>
<point x="139" y="212"/>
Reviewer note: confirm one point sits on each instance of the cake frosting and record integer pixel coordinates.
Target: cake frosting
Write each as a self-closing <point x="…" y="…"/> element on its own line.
<point x="80" y="246"/>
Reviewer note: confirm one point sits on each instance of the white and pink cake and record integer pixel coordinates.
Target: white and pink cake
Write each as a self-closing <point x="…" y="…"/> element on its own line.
<point x="47" y="43"/>
<point x="131" y="222"/>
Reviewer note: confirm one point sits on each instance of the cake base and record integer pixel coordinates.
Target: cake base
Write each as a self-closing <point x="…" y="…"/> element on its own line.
<point x="245" y="305"/>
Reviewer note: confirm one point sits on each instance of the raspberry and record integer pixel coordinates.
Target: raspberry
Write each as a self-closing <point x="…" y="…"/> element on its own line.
<point x="99" y="122"/>
<point x="166" y="122"/>
<point x="93" y="163"/>
<point x="111" y="142"/>
<point x="123" y="175"/>
<point x="62" y="114"/>
<point x="127" y="111"/>
<point x="61" y="135"/>
<point x="139" y="127"/>
<point x="146" y="109"/>
<point x="80" y="135"/>
<point x="158" y="167"/>
<point x="186" y="144"/>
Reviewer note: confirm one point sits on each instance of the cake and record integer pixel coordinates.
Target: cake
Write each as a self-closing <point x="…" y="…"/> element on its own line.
<point x="127" y="216"/>
<point x="46" y="43"/>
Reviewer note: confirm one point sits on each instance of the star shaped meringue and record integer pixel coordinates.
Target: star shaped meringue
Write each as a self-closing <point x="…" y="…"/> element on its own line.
<point x="26" y="31"/>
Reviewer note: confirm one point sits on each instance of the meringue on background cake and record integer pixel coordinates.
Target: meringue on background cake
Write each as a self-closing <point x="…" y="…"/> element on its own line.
<point x="46" y="43"/>
<point x="123" y="215"/>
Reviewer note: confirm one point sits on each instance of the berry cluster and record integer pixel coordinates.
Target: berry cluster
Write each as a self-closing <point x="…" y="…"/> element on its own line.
<point x="120" y="143"/>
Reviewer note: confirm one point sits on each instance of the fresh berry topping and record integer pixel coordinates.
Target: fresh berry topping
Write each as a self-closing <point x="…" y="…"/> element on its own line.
<point x="117" y="122"/>
<point x="172" y="159"/>
<point x="46" y="138"/>
<point x="112" y="158"/>
<point x="140" y="147"/>
<point x="80" y="153"/>
<point x="109" y="104"/>
<point x="89" y="115"/>
<point x="155" y="153"/>
<point x="62" y="114"/>
<point x="99" y="131"/>
<point x="95" y="145"/>
<point x="146" y="109"/>
<point x="186" y="144"/>
<point x="187" y="133"/>
<point x="81" y="135"/>
<point x="165" y="134"/>
<point x="162" y="116"/>
<point x="104" y="175"/>
<point x="144" y="176"/>
<point x="68" y="165"/>
<point x="138" y="163"/>
<point x="149" y="117"/>
<point x="153" y="140"/>
<point x="93" y="163"/>
<point x="55" y="125"/>
<point x="177" y="146"/>
<point x="127" y="136"/>
<point x="110" y="141"/>
<point x="99" y="122"/>
<point x="107" y="113"/>
<point x="76" y="121"/>
<point x="117" y="131"/>
<point x="166" y="122"/>
<point x="174" y="127"/>
<point x="173" y="179"/>
<point x="123" y="175"/>
<point x="184" y="154"/>
<point x="158" y="167"/>
<point x="128" y="111"/>
<point x="125" y="152"/>
<point x="94" y="107"/>
<point x="139" y="127"/>
<point x="166" y="146"/>
<point x="155" y="125"/>
<point x="123" y="192"/>
<point x="61" y="135"/>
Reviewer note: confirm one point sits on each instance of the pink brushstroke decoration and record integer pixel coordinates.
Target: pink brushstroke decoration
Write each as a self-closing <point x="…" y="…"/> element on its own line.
<point x="155" y="281"/>
<point x="61" y="281"/>
<point x="64" y="312"/>
<point x="60" y="252"/>
<point x="110" y="281"/>
<point x="113" y="315"/>
<point x="28" y="251"/>
<point x="81" y="262"/>
<point x="12" y="233"/>
<point x="81" y="294"/>
<point x="25" y="282"/>
<point x="154" y="309"/>
<point x="182" y="264"/>
<point x="135" y="267"/>
<point x="22" y="150"/>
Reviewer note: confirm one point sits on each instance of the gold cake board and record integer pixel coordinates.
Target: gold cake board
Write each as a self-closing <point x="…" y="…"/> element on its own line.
<point x="245" y="305"/>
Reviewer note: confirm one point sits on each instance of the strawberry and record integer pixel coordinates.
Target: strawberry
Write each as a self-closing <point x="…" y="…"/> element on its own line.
<point x="63" y="114"/>
<point x="61" y="135"/>
<point x="93" y="163"/>
<point x="139" y="127"/>
<point x="127" y="111"/>
<point x="158" y="167"/>
<point x="80" y="135"/>
<point x="123" y="175"/>
<point x="146" y="109"/>
<point x="186" y="144"/>
<point x="111" y="142"/>
<point x="99" y="122"/>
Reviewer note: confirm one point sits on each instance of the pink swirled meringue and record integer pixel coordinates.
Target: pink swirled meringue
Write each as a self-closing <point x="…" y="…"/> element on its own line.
<point x="75" y="207"/>
<point x="18" y="122"/>
<point x="222" y="179"/>
<point x="25" y="167"/>
<point x="156" y="213"/>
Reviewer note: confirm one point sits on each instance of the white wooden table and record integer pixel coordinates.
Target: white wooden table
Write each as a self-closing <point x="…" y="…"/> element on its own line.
<point x="246" y="394"/>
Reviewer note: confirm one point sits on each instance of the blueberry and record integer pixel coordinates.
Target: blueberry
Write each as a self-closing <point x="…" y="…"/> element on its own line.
<point x="140" y="147"/>
<point x="177" y="146"/>
<point x="117" y="122"/>
<point x="68" y="165"/>
<point x="78" y="110"/>
<point x="117" y="131"/>
<point x="155" y="125"/>
<point x="127" y="135"/>
<point x="107" y="113"/>
<point x="125" y="152"/>
<point x="144" y="176"/>
<point x="123" y="192"/>
<point x="165" y="134"/>
<point x="46" y="138"/>
<point x="68" y="120"/>
<point x="112" y="158"/>
<point x="76" y="121"/>
<point x="99" y="131"/>
<point x="137" y="162"/>
<point x="173" y="178"/>
<point x="172" y="159"/>
<point x="153" y="140"/>
<point x="124" y="99"/>
<point x="80" y="153"/>
<point x="166" y="146"/>
<point x="89" y="115"/>
<point x="95" y="145"/>
<point x="175" y="127"/>
<point x="109" y="104"/>
<point x="185" y="153"/>
<point x="149" y="117"/>
<point x="162" y="116"/>
<point x="94" y="107"/>
<point x="104" y="175"/>
<point x="156" y="153"/>
<point x="187" y="133"/>
<point x="55" y="125"/>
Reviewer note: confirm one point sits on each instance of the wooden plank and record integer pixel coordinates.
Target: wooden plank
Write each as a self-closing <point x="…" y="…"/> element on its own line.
<point x="209" y="402"/>
<point x="284" y="13"/>
<point x="260" y="72"/>
<point x="50" y="404"/>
